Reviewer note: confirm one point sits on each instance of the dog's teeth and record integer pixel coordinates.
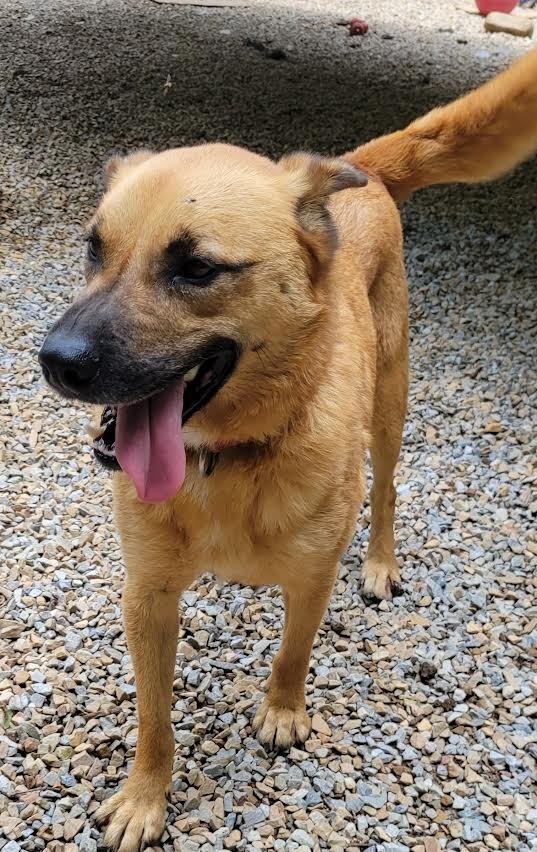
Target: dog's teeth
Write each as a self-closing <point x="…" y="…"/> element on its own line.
<point x="108" y="451"/>
<point x="192" y="374"/>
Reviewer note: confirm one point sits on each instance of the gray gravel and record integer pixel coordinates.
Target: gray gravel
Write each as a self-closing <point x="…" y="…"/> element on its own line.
<point x="425" y="709"/>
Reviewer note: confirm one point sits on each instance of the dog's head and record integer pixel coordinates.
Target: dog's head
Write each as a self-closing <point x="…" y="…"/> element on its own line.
<point x="205" y="270"/>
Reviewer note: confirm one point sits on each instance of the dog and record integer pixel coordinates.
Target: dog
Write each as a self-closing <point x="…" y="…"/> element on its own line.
<point x="245" y="325"/>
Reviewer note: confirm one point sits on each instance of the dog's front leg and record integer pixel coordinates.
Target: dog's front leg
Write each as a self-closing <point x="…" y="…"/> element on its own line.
<point x="136" y="814"/>
<point x="282" y="718"/>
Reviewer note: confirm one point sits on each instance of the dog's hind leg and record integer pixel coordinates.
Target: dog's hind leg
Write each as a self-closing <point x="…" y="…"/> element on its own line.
<point x="282" y="719"/>
<point x="380" y="571"/>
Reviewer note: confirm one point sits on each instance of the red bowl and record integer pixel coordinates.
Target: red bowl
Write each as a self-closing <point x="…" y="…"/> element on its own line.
<point x="486" y="6"/>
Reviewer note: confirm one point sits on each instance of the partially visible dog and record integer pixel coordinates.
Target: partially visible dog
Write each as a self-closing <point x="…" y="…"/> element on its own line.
<point x="245" y="323"/>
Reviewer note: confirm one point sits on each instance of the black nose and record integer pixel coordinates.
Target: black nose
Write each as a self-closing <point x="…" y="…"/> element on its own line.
<point x="69" y="361"/>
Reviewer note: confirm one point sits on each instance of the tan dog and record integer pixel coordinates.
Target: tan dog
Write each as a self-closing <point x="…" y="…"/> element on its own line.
<point x="246" y="323"/>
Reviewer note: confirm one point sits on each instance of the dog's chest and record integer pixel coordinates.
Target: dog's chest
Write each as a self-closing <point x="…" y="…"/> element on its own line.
<point x="245" y="523"/>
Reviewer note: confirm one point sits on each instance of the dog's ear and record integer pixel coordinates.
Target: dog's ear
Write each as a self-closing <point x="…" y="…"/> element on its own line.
<point x="117" y="167"/>
<point x="314" y="179"/>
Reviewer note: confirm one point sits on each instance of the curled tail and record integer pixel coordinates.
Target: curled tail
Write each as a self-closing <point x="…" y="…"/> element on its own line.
<point x="475" y="138"/>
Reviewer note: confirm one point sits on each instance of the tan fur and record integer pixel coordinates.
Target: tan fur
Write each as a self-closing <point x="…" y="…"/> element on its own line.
<point x="477" y="137"/>
<point x="323" y="376"/>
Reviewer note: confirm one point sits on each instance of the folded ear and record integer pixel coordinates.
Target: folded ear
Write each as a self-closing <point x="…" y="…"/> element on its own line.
<point x="314" y="179"/>
<point x="117" y="167"/>
<point x="318" y="177"/>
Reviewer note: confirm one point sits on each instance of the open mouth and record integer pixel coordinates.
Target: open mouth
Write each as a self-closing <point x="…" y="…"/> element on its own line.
<point x="144" y="438"/>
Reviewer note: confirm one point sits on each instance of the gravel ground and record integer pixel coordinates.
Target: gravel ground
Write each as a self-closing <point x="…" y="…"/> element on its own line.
<point x="425" y="708"/>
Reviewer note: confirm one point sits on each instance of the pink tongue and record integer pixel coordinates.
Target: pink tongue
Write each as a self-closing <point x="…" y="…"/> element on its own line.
<point x="149" y="444"/>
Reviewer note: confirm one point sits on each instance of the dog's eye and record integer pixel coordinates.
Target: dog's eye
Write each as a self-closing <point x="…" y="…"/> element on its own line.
<point x="93" y="249"/>
<point x="197" y="270"/>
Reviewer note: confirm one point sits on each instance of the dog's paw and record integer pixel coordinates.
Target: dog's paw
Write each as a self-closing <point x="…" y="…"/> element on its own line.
<point x="136" y="815"/>
<point x="281" y="727"/>
<point x="381" y="578"/>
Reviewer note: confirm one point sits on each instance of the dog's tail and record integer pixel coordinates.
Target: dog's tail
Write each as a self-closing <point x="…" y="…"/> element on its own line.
<point x="475" y="138"/>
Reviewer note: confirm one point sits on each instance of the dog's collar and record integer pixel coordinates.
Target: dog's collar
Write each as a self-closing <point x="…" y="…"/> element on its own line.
<point x="207" y="460"/>
<point x="209" y="457"/>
